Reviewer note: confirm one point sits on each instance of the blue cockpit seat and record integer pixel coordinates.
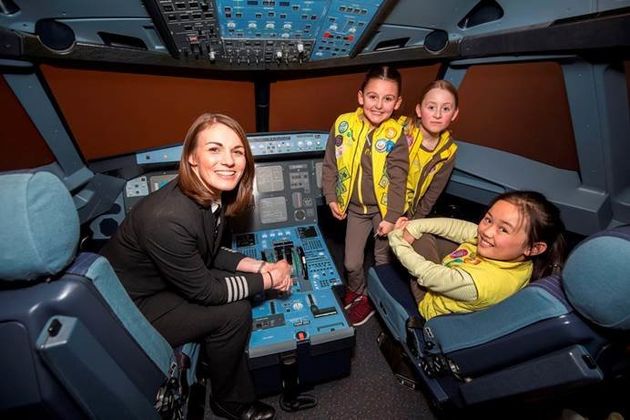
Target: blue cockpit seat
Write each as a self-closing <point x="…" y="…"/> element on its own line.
<point x="72" y="343"/>
<point x="558" y="332"/>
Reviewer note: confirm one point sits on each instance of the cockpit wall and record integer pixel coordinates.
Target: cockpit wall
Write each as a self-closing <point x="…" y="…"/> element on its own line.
<point x="543" y="86"/>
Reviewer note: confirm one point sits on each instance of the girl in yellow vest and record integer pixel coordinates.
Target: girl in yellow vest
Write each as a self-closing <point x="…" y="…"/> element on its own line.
<point x="363" y="178"/>
<point x="431" y="147"/>
<point x="520" y="237"/>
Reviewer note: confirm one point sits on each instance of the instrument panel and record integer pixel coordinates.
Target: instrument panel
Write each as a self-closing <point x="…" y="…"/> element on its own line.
<point x="311" y="311"/>
<point x="263" y="33"/>
<point x="302" y="246"/>
<point x="286" y="191"/>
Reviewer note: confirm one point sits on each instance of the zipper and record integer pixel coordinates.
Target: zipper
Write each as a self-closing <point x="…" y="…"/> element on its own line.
<point x="423" y="173"/>
<point x="359" y="179"/>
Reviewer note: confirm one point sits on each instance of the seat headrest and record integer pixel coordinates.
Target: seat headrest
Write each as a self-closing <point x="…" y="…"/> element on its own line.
<point x="39" y="225"/>
<point x="596" y="278"/>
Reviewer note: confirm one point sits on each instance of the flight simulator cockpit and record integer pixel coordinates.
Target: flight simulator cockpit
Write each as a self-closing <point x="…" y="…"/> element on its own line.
<point x="95" y="100"/>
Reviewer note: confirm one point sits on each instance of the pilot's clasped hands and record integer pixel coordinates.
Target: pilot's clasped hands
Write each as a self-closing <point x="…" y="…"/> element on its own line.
<point x="281" y="274"/>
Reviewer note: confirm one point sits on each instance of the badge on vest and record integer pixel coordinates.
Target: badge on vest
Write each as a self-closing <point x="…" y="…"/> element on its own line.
<point x="340" y="190"/>
<point x="390" y="133"/>
<point x="458" y="253"/>
<point x="339" y="151"/>
<point x="344" y="174"/>
<point x="383" y="182"/>
<point x="340" y="200"/>
<point x="380" y="145"/>
<point x="472" y="259"/>
<point x="343" y="126"/>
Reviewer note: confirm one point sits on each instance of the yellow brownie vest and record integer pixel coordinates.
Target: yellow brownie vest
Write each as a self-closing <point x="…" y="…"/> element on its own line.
<point x="494" y="280"/>
<point x="423" y="165"/>
<point x="351" y="132"/>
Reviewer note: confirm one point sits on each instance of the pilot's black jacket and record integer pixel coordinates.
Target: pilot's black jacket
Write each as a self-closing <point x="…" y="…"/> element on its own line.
<point x="167" y="255"/>
<point x="168" y="241"/>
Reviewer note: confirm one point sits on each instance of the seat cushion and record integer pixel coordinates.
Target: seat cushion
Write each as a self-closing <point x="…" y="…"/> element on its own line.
<point x="39" y="225"/>
<point x="532" y="304"/>
<point x="97" y="269"/>
<point x="596" y="278"/>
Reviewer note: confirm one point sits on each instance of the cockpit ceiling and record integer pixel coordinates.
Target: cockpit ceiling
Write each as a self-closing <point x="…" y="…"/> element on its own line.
<point x="250" y="35"/>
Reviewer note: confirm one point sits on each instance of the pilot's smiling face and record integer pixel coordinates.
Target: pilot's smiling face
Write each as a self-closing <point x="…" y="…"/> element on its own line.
<point x="218" y="158"/>
<point x="379" y="99"/>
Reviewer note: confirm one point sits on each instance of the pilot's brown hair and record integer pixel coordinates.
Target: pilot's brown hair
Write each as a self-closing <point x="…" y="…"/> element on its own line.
<point x="234" y="201"/>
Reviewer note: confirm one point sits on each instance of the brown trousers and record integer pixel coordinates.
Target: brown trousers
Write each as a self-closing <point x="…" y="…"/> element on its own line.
<point x="358" y="230"/>
<point x="434" y="249"/>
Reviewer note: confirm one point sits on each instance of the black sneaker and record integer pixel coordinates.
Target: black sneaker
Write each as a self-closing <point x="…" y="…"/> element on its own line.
<point x="254" y="411"/>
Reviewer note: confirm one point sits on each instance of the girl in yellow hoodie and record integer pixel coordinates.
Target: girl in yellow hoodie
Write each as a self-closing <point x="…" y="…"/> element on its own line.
<point x="520" y="237"/>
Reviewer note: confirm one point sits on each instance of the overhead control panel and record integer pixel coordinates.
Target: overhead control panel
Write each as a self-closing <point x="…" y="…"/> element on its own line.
<point x="263" y="33"/>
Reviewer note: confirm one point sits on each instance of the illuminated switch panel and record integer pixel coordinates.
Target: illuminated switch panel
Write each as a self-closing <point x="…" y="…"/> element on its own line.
<point x="288" y="143"/>
<point x="262" y="33"/>
<point x="291" y="31"/>
<point x="269" y="31"/>
<point x="192" y="26"/>
<point x="343" y="26"/>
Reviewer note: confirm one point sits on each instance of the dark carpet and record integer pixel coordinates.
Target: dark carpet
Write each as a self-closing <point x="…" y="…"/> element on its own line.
<point x="370" y="392"/>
